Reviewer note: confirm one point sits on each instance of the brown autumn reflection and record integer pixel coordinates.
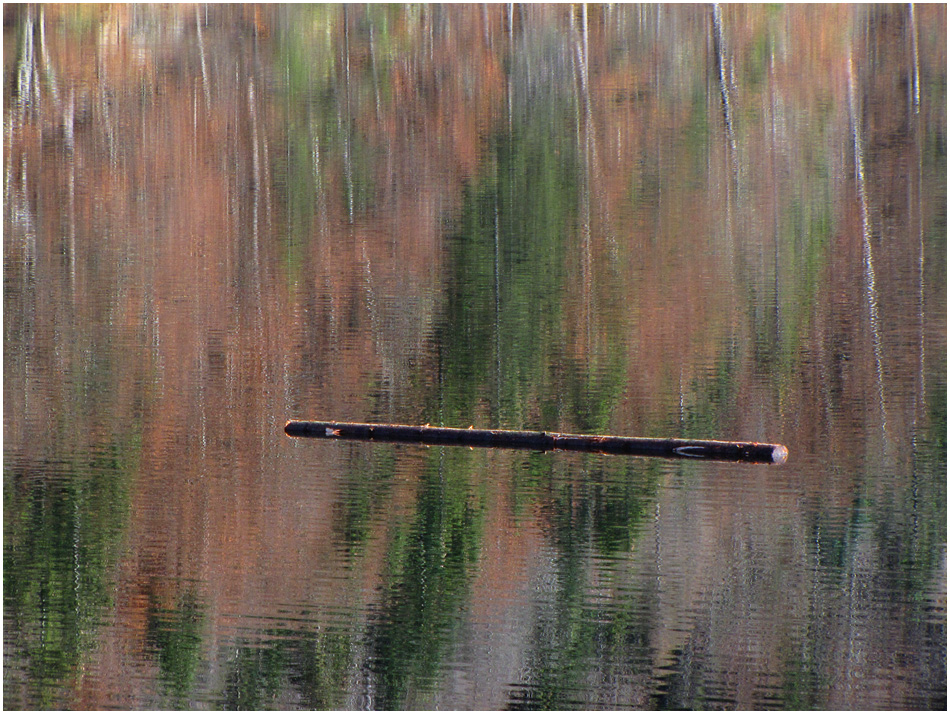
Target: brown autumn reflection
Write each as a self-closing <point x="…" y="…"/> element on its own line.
<point x="719" y="223"/>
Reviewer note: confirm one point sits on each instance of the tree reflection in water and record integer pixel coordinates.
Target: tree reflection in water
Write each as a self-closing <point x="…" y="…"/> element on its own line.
<point x="661" y="221"/>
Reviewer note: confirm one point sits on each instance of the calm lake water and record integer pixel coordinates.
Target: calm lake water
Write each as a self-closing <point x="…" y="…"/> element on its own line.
<point x="668" y="221"/>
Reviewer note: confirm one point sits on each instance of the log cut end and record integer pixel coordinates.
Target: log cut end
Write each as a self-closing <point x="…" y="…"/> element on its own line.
<point x="779" y="455"/>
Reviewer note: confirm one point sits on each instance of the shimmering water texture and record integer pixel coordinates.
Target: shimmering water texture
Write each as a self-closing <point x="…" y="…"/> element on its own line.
<point x="671" y="222"/>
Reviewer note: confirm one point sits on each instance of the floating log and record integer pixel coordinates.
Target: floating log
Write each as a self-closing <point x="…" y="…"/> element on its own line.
<point x="739" y="451"/>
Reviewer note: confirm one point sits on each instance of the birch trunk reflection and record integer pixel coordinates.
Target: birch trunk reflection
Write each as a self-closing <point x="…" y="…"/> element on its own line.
<point x="869" y="276"/>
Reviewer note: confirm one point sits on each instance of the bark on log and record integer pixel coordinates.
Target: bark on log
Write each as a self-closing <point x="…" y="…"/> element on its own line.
<point x="738" y="451"/>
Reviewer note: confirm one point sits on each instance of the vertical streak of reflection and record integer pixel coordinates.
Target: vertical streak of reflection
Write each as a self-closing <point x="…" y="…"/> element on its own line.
<point x="732" y="157"/>
<point x="916" y="67"/>
<point x="345" y="125"/>
<point x="775" y="201"/>
<point x="47" y="65"/>
<point x="68" y="121"/>
<point x="511" y="58"/>
<point x="201" y="55"/>
<point x="373" y="63"/>
<point x="27" y="68"/>
<point x="25" y="224"/>
<point x="917" y="211"/>
<point x="498" y="390"/>
<point x="584" y="129"/>
<point x="869" y="276"/>
<point x="255" y="209"/>
<point x="724" y="81"/>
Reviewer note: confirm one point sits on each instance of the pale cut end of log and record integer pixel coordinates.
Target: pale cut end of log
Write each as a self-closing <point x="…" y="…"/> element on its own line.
<point x="779" y="454"/>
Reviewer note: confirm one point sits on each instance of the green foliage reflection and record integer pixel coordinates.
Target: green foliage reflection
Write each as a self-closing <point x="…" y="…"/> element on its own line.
<point x="312" y="665"/>
<point x="176" y="635"/>
<point x="595" y="521"/>
<point x="430" y="565"/>
<point x="62" y="538"/>
<point x="503" y="313"/>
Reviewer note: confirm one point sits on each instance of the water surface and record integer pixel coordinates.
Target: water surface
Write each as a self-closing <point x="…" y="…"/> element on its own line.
<point x="660" y="221"/>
